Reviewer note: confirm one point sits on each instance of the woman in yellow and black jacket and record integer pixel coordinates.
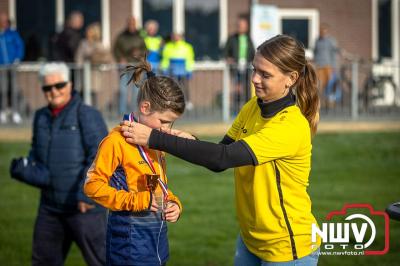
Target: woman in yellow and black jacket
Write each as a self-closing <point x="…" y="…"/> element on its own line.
<point x="269" y="145"/>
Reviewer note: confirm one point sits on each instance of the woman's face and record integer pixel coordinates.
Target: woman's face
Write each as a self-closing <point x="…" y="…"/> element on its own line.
<point x="155" y="119"/>
<point x="269" y="82"/>
<point x="57" y="97"/>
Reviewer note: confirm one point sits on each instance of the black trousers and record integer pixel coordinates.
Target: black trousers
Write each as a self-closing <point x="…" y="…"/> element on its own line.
<point x="55" y="232"/>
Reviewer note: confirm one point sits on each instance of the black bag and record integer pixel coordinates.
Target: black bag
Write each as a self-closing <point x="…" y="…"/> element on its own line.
<point x="30" y="172"/>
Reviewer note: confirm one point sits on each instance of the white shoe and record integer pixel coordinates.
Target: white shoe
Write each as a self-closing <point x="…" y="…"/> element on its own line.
<point x="189" y="106"/>
<point x="3" y="117"/>
<point x="16" y="118"/>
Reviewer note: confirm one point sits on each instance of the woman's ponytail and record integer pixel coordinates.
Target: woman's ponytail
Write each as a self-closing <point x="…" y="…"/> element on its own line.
<point x="307" y="96"/>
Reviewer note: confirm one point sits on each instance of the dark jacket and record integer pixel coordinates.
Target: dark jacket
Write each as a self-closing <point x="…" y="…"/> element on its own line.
<point x="130" y="46"/>
<point x="66" y="45"/>
<point x="66" y="145"/>
<point x="232" y="48"/>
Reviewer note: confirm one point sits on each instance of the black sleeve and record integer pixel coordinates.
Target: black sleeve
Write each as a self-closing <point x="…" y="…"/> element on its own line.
<point x="226" y="140"/>
<point x="216" y="157"/>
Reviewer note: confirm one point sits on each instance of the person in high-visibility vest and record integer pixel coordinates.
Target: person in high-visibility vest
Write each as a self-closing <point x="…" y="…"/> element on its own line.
<point x="177" y="57"/>
<point x="178" y="62"/>
<point x="153" y="43"/>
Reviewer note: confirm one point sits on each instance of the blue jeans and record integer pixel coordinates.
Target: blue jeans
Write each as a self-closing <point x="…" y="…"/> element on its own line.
<point x="124" y="102"/>
<point x="243" y="257"/>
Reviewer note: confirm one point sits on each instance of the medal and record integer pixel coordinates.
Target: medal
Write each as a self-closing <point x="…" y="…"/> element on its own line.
<point x="152" y="180"/>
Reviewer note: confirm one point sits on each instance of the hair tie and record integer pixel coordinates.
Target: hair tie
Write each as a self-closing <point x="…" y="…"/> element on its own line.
<point x="304" y="71"/>
<point x="150" y="74"/>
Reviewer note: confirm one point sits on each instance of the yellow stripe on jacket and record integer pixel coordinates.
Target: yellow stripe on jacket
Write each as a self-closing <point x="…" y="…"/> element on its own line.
<point x="114" y="151"/>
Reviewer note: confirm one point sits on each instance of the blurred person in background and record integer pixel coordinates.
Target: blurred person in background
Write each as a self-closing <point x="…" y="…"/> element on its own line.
<point x="129" y="47"/>
<point x="67" y="42"/>
<point x="325" y="59"/>
<point x="153" y="43"/>
<point x="11" y="52"/>
<point x="238" y="53"/>
<point x="66" y="134"/>
<point x="91" y="49"/>
<point x="178" y="62"/>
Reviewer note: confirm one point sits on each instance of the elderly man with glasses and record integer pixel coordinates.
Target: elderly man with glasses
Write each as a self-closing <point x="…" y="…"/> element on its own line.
<point x="66" y="134"/>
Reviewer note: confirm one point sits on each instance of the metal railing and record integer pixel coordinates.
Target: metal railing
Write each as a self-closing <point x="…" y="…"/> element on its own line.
<point x="215" y="92"/>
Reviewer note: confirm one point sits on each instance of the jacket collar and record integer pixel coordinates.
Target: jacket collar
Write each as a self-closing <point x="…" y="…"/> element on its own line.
<point x="270" y="109"/>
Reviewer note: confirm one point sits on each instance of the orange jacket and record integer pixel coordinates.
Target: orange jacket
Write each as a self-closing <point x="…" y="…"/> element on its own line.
<point x="114" y="151"/>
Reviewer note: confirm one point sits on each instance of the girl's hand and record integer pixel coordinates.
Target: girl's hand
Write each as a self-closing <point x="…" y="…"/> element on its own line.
<point x="154" y="206"/>
<point x="135" y="133"/>
<point x="172" y="212"/>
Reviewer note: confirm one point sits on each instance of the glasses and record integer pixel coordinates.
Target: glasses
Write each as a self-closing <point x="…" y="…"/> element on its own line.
<point x="58" y="86"/>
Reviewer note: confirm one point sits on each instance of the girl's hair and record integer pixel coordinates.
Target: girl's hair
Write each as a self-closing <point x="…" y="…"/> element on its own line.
<point x="162" y="92"/>
<point x="288" y="55"/>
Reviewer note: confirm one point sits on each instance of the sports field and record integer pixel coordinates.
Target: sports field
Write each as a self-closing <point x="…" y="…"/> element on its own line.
<point x="347" y="168"/>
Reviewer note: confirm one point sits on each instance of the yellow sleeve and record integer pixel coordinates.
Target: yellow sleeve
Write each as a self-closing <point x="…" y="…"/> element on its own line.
<point x="189" y="57"/>
<point x="278" y="139"/>
<point x="166" y="54"/>
<point x="235" y="127"/>
<point x="108" y="158"/>
<point x="173" y="197"/>
<point x="238" y="123"/>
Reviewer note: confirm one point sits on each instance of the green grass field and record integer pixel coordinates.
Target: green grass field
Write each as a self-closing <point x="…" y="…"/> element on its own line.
<point x="347" y="168"/>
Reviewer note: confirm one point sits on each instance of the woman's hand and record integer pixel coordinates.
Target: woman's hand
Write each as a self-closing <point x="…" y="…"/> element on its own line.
<point x="135" y="133"/>
<point x="172" y="212"/>
<point x="83" y="207"/>
<point x="180" y="133"/>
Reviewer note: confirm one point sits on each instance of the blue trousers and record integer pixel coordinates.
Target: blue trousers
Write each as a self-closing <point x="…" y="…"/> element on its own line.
<point x="243" y="257"/>
<point x="55" y="232"/>
<point x="127" y="104"/>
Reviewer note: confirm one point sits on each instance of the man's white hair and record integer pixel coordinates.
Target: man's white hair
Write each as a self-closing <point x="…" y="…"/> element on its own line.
<point x="54" y="68"/>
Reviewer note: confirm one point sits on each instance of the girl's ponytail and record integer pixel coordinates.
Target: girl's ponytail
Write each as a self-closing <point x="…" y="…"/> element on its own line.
<point x="162" y="92"/>
<point x="137" y="70"/>
<point x="307" y="96"/>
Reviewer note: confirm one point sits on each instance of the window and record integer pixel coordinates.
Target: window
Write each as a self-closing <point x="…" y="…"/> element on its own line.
<point x="385" y="28"/>
<point x="201" y="27"/>
<point x="161" y="11"/>
<point x="297" y="28"/>
<point x="36" y="24"/>
<point x="302" y="24"/>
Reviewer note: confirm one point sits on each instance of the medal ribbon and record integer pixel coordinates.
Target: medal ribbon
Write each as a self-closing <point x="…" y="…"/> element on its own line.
<point x="147" y="159"/>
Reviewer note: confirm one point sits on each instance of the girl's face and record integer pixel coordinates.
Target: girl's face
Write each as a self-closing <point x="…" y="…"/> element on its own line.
<point x="155" y="119"/>
<point x="269" y="82"/>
